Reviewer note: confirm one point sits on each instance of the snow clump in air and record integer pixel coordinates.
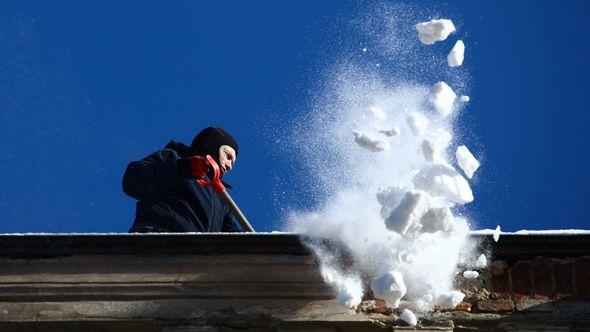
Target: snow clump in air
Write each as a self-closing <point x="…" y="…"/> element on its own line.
<point x="376" y="114"/>
<point x="457" y="54"/>
<point x="417" y="123"/>
<point x="481" y="262"/>
<point x="434" y="30"/>
<point x="466" y="161"/>
<point x="391" y="132"/>
<point x="443" y="98"/>
<point x="390" y="287"/>
<point x="387" y="205"/>
<point x="369" y="143"/>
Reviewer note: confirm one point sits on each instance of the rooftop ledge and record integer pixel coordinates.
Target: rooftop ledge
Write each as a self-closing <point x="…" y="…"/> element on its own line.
<point x="263" y="281"/>
<point x="44" y="245"/>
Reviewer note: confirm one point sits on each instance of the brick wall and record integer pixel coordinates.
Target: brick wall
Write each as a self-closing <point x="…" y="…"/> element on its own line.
<point x="528" y="285"/>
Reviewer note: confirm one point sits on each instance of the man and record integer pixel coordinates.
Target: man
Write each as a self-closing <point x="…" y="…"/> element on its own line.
<point x="169" y="199"/>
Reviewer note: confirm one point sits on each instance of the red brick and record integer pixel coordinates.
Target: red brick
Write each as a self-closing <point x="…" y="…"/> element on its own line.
<point x="500" y="281"/>
<point x="463" y="306"/>
<point x="521" y="280"/>
<point x="583" y="278"/>
<point x="563" y="273"/>
<point x="495" y="306"/>
<point x="374" y="307"/>
<point x="543" y="279"/>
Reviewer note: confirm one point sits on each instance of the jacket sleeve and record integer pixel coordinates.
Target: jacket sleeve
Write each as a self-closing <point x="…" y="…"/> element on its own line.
<point x="151" y="176"/>
<point x="230" y="225"/>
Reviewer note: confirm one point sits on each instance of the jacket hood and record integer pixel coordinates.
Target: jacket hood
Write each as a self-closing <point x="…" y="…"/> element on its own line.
<point x="182" y="149"/>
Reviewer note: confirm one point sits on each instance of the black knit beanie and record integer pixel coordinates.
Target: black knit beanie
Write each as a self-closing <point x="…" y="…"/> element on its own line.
<point x="210" y="139"/>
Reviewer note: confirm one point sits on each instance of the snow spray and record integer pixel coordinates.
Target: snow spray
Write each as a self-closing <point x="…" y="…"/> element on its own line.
<point x="381" y="141"/>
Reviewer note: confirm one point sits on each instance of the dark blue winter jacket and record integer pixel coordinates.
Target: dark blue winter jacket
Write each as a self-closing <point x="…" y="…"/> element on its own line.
<point x="166" y="202"/>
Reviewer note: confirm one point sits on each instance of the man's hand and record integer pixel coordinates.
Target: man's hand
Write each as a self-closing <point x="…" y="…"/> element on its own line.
<point x="193" y="167"/>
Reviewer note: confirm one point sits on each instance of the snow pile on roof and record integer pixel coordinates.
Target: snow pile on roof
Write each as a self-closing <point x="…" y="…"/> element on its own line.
<point x="457" y="54"/>
<point x="393" y="212"/>
<point x="443" y="98"/>
<point x="434" y="30"/>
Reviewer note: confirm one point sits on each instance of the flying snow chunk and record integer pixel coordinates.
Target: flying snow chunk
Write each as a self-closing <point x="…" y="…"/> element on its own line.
<point x="466" y="161"/>
<point x="437" y="219"/>
<point x="443" y="98"/>
<point x="470" y="274"/>
<point x="389" y="198"/>
<point x="465" y="99"/>
<point x="409" y="317"/>
<point x="442" y="180"/>
<point x="429" y="150"/>
<point x="434" y="30"/>
<point x="405" y="218"/>
<point x="369" y="143"/>
<point x="481" y="262"/>
<point x="417" y="123"/>
<point x="389" y="287"/>
<point x="391" y="132"/>
<point x="376" y="114"/>
<point x="457" y="54"/>
<point x="496" y="234"/>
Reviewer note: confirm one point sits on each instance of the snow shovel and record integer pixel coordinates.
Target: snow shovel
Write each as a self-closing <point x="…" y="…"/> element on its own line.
<point x="220" y="189"/>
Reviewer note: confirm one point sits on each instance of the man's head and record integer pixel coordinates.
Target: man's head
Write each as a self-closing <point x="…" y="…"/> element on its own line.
<point x="217" y="143"/>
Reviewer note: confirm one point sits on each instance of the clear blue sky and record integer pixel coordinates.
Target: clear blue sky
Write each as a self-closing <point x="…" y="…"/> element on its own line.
<point x="87" y="86"/>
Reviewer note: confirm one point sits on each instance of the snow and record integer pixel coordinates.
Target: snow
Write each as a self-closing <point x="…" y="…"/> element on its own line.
<point x="443" y="98"/>
<point x="390" y="287"/>
<point x="535" y="232"/>
<point x="348" y="289"/>
<point x="409" y="317"/>
<point x="496" y="234"/>
<point x="481" y="262"/>
<point x="405" y="218"/>
<point x="391" y="132"/>
<point x="442" y="180"/>
<point x="389" y="198"/>
<point x="417" y="123"/>
<point x="437" y="219"/>
<point x="470" y="274"/>
<point x="456" y="56"/>
<point x="376" y="114"/>
<point x="370" y="143"/>
<point x="465" y="99"/>
<point x="429" y="150"/>
<point x="434" y="30"/>
<point x="466" y="161"/>
<point x="449" y="300"/>
<point x="390" y="211"/>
